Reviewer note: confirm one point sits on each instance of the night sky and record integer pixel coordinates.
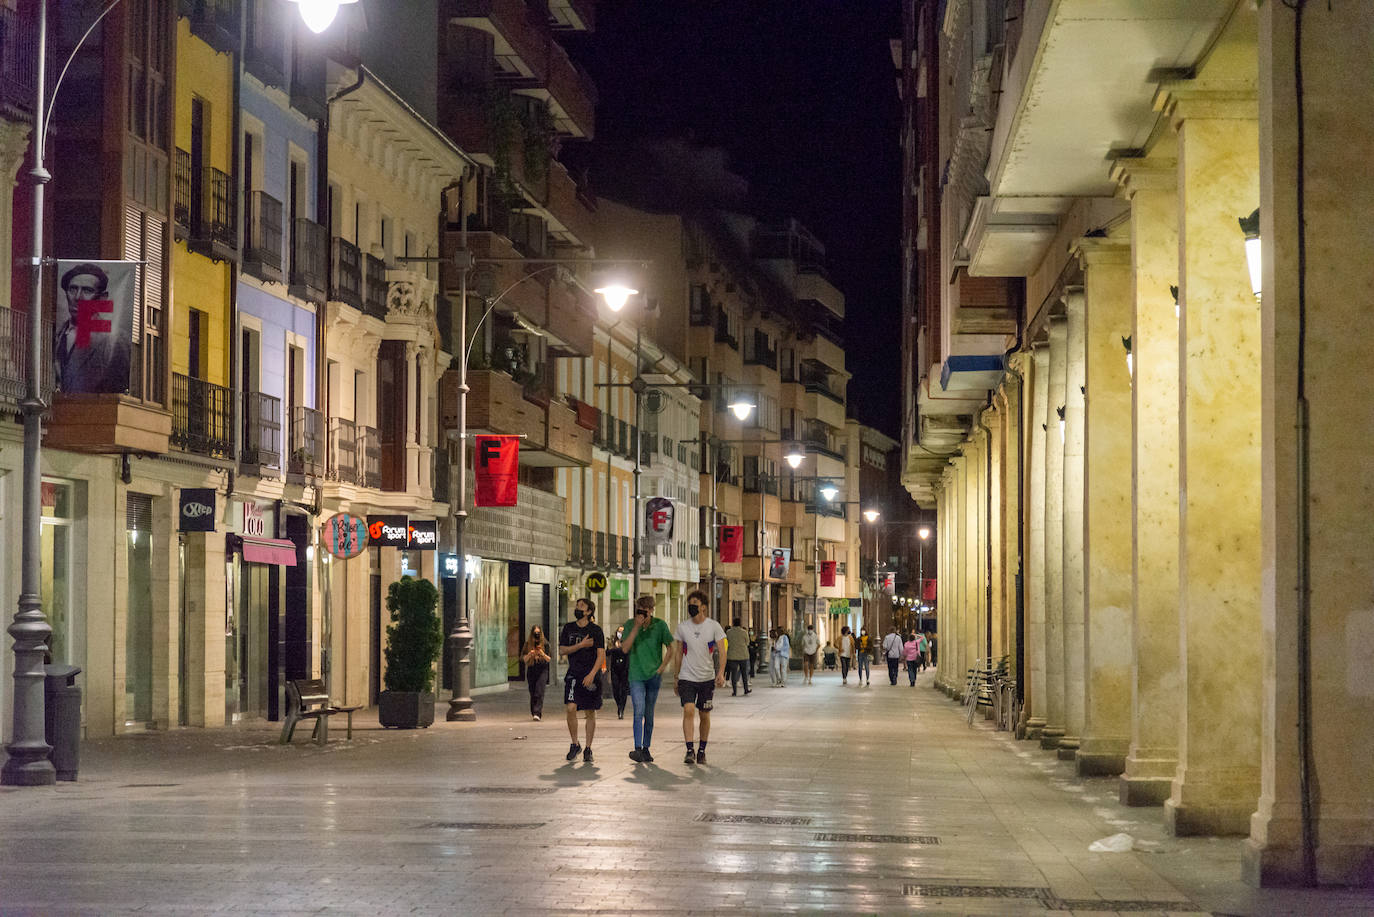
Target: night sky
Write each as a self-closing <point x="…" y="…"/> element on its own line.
<point x="801" y="96"/>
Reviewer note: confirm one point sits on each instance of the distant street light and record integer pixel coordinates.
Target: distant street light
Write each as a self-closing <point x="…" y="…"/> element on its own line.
<point x="616" y="295"/>
<point x="741" y="407"/>
<point x="795" y="456"/>
<point x="318" y="14"/>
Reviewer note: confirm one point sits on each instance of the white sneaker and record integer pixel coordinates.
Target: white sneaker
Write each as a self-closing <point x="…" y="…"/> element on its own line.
<point x="536" y="717"/>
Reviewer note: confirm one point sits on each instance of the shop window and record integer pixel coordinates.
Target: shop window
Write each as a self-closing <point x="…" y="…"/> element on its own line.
<point x="138" y="622"/>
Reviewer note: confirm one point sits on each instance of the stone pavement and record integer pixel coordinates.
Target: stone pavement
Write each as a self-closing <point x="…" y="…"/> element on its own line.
<point x="815" y="799"/>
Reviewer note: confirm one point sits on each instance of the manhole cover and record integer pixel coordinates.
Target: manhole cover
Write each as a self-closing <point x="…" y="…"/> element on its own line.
<point x="507" y="790"/>
<point x="479" y="825"/>
<point x="1090" y="904"/>
<point x="975" y="891"/>
<point x="926" y="839"/>
<point x="754" y="819"/>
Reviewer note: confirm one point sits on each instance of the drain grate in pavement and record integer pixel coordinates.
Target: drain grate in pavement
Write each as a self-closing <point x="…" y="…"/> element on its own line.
<point x="925" y="839"/>
<point x="479" y="825"/>
<point x="507" y="790"/>
<point x="754" y="819"/>
<point x="1048" y="899"/>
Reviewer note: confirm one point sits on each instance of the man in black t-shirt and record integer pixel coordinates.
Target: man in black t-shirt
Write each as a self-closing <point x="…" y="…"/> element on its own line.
<point x="584" y="645"/>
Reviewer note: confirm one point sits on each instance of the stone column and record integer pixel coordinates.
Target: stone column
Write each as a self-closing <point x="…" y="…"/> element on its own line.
<point x="1340" y="500"/>
<point x="942" y="511"/>
<point x="1074" y="384"/>
<point x="996" y="613"/>
<point x="1107" y="509"/>
<point x="1037" y="698"/>
<point x="963" y="526"/>
<point x="1152" y="186"/>
<point x="1012" y="508"/>
<point x="1054" y="539"/>
<point x="975" y="511"/>
<point x="1217" y="782"/>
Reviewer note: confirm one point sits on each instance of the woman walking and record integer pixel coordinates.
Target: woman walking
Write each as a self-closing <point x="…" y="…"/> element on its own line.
<point x="911" y="652"/>
<point x="618" y="661"/>
<point x="865" y="657"/>
<point x="782" y="657"/>
<point x="536" y="659"/>
<point x="846" y="653"/>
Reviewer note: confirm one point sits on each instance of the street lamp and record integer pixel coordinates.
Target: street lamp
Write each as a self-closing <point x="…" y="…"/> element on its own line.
<point x="795" y="456"/>
<point x="616" y="295"/>
<point x="924" y="534"/>
<point x="741" y="407"/>
<point x="318" y="14"/>
<point x="1250" y="226"/>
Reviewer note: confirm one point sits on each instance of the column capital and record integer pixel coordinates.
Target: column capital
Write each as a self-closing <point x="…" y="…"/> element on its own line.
<point x="1181" y="101"/>
<point x="1095" y="251"/>
<point x="1144" y="173"/>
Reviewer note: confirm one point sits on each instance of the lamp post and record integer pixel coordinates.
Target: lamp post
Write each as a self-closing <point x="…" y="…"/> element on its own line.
<point x="923" y="533"/>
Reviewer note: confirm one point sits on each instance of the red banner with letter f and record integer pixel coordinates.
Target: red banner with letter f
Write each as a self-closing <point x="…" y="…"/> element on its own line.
<point x="497" y="466"/>
<point x="731" y="544"/>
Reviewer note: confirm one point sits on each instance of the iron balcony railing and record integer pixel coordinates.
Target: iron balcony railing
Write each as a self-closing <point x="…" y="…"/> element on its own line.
<point x="600" y="549"/>
<point x="309" y="257"/>
<point x="343" y="451"/>
<point x="18" y="58"/>
<point x="346" y="284"/>
<point x="611" y="559"/>
<point x="181" y="180"/>
<point x="262" y="236"/>
<point x="14" y="357"/>
<point x="375" y="287"/>
<point x="439" y="475"/>
<point x="217" y="224"/>
<point x="215" y="21"/>
<point x="307" y="441"/>
<point x="261" y="430"/>
<point x="574" y="544"/>
<point x="625" y="553"/>
<point x="370" y="453"/>
<point x="587" y="555"/>
<point x="202" y="417"/>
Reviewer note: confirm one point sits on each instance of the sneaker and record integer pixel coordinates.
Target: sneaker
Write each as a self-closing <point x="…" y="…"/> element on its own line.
<point x="691" y="758"/>
<point x="573" y="749"/>
<point x="748" y="690"/>
<point x="637" y="756"/>
<point x="701" y="757"/>
<point x="648" y="758"/>
<point x="587" y="754"/>
<point x="536" y="717"/>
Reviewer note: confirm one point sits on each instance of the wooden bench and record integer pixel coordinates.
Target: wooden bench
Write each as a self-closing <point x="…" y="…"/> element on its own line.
<point x="308" y="700"/>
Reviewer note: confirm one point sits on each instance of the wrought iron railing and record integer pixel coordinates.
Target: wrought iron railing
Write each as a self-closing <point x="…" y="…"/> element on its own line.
<point x="309" y="250"/>
<point x="217" y="206"/>
<point x="374" y="287"/>
<point x="343" y="451"/>
<point x="370" y="455"/>
<point x="307" y="441"/>
<point x="262" y="235"/>
<point x="346" y="283"/>
<point x="181" y="179"/>
<point x="14" y="356"/>
<point x="261" y="430"/>
<point x="18" y="57"/>
<point x="202" y="417"/>
<point x="575" y="544"/>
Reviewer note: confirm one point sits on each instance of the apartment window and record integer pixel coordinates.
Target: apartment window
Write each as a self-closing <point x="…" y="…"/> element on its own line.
<point x="196" y="337"/>
<point x="143" y="241"/>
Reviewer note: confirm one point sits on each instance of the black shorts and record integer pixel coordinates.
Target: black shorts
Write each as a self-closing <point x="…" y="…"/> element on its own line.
<point x="696" y="692"/>
<point x="575" y="692"/>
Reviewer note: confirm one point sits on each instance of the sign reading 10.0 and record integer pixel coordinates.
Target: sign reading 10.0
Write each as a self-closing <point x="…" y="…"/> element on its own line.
<point x="596" y="582"/>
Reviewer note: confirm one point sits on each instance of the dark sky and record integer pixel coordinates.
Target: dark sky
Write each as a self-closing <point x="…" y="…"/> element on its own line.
<point x="801" y="94"/>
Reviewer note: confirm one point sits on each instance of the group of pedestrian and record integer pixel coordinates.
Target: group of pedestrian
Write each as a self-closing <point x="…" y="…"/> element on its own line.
<point x="780" y="656"/>
<point x="636" y="662"/>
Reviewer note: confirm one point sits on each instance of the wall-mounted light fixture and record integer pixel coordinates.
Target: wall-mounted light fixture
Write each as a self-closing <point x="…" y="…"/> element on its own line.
<point x="1251" y="227"/>
<point x="1130" y="362"/>
<point x="1173" y="291"/>
<point x="1060" y="411"/>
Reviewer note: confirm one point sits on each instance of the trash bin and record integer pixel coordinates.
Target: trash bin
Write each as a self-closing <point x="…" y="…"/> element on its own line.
<point x="62" y="718"/>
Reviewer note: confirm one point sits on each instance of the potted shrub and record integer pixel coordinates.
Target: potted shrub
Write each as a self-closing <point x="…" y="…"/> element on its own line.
<point x="413" y="641"/>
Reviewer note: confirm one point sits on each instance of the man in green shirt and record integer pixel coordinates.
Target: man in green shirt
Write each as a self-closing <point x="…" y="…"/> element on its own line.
<point x="645" y="639"/>
<point x="737" y="657"/>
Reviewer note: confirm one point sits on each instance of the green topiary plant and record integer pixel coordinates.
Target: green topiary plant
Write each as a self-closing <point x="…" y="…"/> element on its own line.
<point x="415" y="636"/>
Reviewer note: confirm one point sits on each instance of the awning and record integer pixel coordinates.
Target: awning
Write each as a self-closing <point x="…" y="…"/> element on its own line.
<point x="279" y="551"/>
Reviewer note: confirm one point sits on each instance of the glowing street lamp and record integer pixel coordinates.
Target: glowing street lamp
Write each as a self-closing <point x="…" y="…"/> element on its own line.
<point x="741" y="407"/>
<point x="795" y="456"/>
<point x="830" y="492"/>
<point x="616" y="296"/>
<point x="318" y="14"/>
<point x="1251" y="227"/>
<point x="871" y="515"/>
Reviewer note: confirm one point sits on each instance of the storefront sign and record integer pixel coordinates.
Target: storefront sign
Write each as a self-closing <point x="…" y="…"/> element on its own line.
<point x="779" y="562"/>
<point x="423" y="535"/>
<point x="497" y="477"/>
<point x="620" y="588"/>
<point x="252" y="522"/>
<point x="448" y="566"/>
<point x="658" y="521"/>
<point x="197" y="509"/>
<point x="828" y="573"/>
<point x="388" y="531"/>
<point x="731" y="544"/>
<point x="344" y="535"/>
<point x="596" y="582"/>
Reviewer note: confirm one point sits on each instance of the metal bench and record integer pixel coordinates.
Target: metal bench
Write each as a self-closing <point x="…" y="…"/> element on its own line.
<point x="308" y="700"/>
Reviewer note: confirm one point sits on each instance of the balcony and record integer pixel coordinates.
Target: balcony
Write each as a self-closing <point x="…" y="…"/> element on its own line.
<point x="723" y="335"/>
<point x="204" y="208"/>
<point x="440" y="475"/>
<point x="575" y="545"/>
<point x="572" y="15"/>
<point x="600" y="556"/>
<point x="572" y="95"/>
<point x="612" y="560"/>
<point x="527" y="298"/>
<point x="18" y="62"/>
<point x="309" y="270"/>
<point x="346" y="283"/>
<point x="216" y="22"/>
<point x="569" y="319"/>
<point x="566" y="435"/>
<point x="307" y="442"/>
<point x="308" y="93"/>
<point x="261" y="431"/>
<point x="343" y="451"/>
<point x="625" y="552"/>
<point x="262" y="237"/>
<point x="565" y="203"/>
<point x="202" y="417"/>
<point x="520" y="37"/>
<point x="758" y="352"/>
<point x="370" y="455"/>
<point x="14" y="357"/>
<point x="265" y="54"/>
<point x="374" y="287"/>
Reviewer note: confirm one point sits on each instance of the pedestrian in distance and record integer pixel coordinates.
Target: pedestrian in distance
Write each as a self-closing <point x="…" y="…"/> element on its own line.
<point x="865" y="657"/>
<point x="911" y="653"/>
<point x="892" y="650"/>
<point x="584" y="645"/>
<point x="618" y="662"/>
<point x="811" y="645"/>
<point x="847" y="645"/>
<point x="753" y="652"/>
<point x="695" y="677"/>
<point x="924" y="656"/>
<point x="737" y="657"/>
<point x="828" y="656"/>
<point x="646" y="639"/>
<point x="535" y="655"/>
<point x="782" y="658"/>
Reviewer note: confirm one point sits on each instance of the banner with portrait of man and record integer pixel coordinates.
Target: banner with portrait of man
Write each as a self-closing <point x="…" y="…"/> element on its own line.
<point x="95" y="325"/>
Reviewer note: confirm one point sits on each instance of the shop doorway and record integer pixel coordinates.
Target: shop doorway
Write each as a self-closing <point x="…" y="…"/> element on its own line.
<point x="249" y="678"/>
<point x="374" y="677"/>
<point x="138" y="624"/>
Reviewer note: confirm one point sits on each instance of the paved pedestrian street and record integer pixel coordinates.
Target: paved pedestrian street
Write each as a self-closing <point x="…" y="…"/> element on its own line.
<point x="815" y="799"/>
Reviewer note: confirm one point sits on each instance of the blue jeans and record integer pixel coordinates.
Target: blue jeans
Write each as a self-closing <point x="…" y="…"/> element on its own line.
<point x="865" y="667"/>
<point x="644" y="695"/>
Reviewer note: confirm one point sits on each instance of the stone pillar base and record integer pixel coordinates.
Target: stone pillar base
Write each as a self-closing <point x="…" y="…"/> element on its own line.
<point x="1269" y="865"/>
<point x="1050" y="736"/>
<point x="1068" y="748"/>
<point x="1144" y="791"/>
<point x="1102" y="757"/>
<point x="1206" y="821"/>
<point x="1034" y="726"/>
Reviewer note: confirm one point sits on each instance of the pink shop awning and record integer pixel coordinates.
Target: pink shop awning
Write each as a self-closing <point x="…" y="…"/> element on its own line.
<point x="277" y="551"/>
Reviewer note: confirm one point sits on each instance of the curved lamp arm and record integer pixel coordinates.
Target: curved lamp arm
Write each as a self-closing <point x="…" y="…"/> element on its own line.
<point x="52" y="99"/>
<point x="467" y="351"/>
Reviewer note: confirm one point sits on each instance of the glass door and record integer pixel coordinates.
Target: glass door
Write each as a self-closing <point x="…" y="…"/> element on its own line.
<point x="246" y="636"/>
<point x="138" y="628"/>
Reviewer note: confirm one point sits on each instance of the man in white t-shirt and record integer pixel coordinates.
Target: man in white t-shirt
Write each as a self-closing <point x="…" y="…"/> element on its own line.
<point x="892" y="649"/>
<point x="811" y="644"/>
<point x="695" y="676"/>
